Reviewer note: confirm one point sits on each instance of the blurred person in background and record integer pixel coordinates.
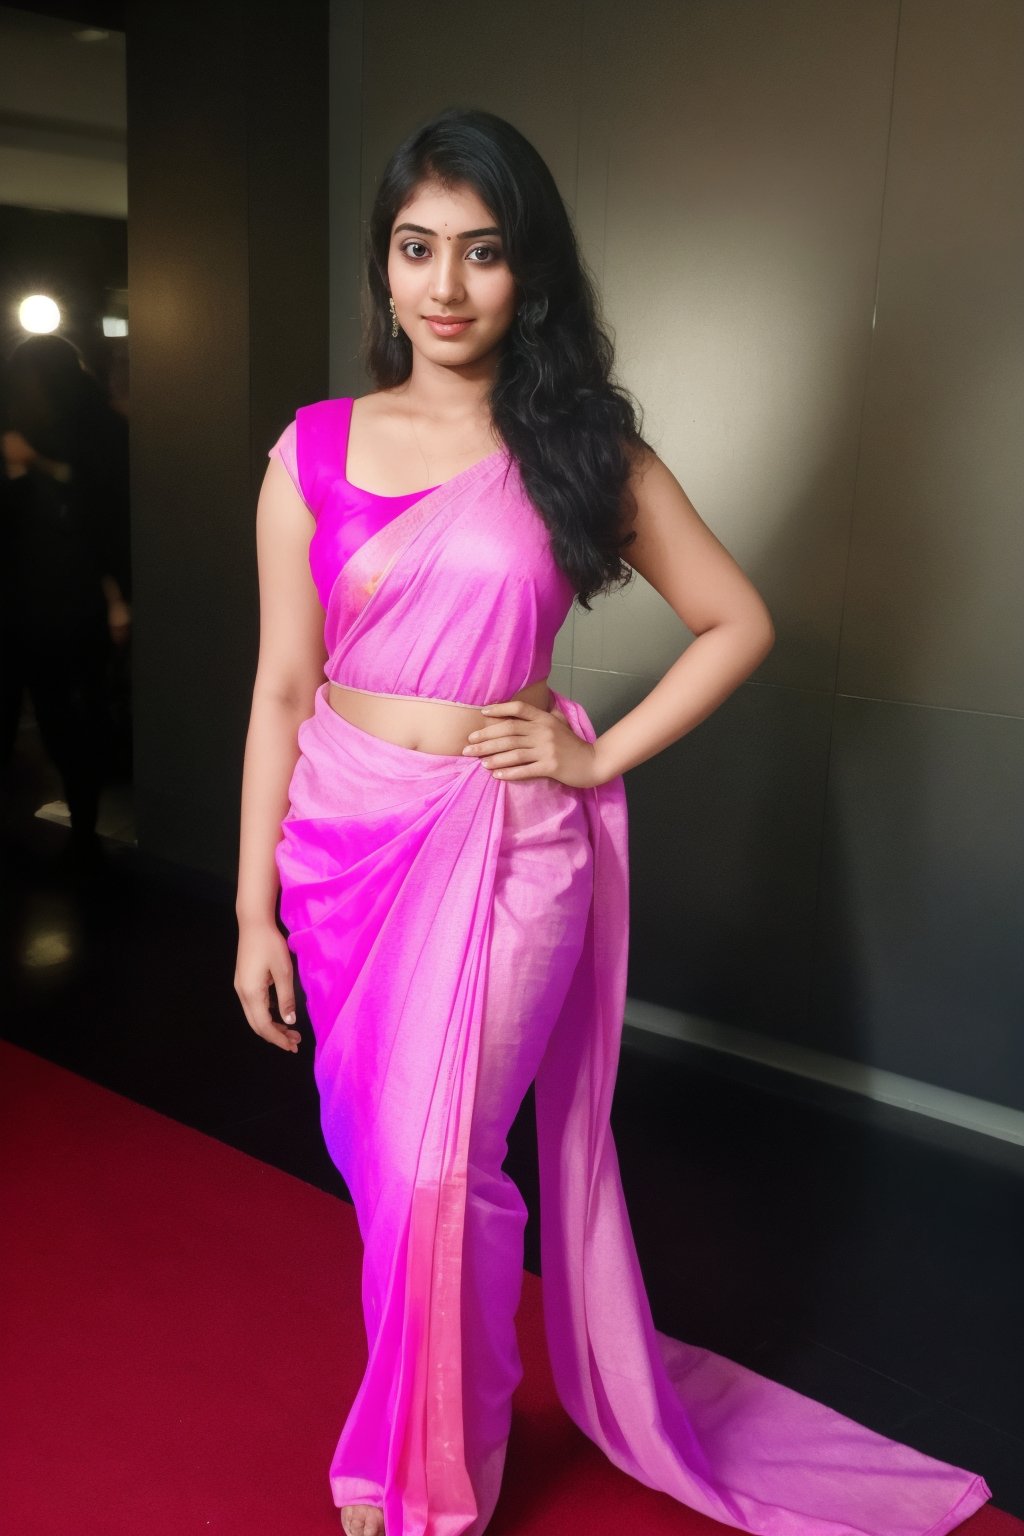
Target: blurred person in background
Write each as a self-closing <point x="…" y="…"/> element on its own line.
<point x="65" y="556"/>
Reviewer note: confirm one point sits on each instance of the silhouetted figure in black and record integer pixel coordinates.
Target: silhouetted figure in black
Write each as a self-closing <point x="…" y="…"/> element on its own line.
<point x="65" y="561"/>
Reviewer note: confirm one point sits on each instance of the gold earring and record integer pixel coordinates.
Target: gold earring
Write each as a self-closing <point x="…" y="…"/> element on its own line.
<point x="394" y="318"/>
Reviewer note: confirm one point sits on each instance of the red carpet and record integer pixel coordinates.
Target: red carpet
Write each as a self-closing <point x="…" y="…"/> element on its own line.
<point x="182" y="1338"/>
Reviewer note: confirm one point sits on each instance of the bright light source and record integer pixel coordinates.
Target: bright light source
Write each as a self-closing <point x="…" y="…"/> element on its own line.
<point x="38" y="314"/>
<point x="114" y="326"/>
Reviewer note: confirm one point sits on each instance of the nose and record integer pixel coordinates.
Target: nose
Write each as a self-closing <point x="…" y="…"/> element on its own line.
<point x="445" y="280"/>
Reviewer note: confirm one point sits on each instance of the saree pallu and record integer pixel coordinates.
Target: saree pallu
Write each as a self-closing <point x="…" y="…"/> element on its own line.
<point x="458" y="936"/>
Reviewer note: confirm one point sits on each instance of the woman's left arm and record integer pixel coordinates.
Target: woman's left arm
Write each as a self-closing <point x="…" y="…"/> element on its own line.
<point x="678" y="554"/>
<point x="681" y="558"/>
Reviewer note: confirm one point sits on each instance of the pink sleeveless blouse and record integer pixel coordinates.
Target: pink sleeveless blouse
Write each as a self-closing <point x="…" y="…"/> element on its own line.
<point x="494" y="595"/>
<point x="354" y="515"/>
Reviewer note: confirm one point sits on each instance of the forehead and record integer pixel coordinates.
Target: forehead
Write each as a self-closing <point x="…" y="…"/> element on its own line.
<point x="444" y="208"/>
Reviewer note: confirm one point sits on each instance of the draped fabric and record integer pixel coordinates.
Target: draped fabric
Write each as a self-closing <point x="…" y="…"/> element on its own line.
<point x="458" y="936"/>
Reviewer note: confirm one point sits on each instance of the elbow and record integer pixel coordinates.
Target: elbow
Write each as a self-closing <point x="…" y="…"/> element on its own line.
<point x="762" y="635"/>
<point x="764" y="624"/>
<point x="287" y="693"/>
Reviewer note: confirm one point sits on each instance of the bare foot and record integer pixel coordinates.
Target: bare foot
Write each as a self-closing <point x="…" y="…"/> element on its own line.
<point x="362" y="1520"/>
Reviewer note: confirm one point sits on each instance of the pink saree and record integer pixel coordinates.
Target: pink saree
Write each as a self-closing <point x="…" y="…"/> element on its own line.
<point x="458" y="936"/>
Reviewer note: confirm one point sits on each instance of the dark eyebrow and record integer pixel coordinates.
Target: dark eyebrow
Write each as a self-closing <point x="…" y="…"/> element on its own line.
<point x="467" y="234"/>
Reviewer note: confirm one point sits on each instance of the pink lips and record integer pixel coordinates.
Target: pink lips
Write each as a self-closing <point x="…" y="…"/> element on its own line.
<point x="448" y="327"/>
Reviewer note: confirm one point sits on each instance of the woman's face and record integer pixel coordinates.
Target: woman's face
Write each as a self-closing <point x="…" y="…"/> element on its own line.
<point x="446" y="258"/>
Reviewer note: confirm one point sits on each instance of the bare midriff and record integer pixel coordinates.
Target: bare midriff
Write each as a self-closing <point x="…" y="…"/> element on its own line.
<point x="424" y="725"/>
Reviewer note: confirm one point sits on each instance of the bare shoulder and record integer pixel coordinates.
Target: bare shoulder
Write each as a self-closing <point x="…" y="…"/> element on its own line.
<point x="642" y="460"/>
<point x="677" y="553"/>
<point x="663" y="511"/>
<point x="281" y="505"/>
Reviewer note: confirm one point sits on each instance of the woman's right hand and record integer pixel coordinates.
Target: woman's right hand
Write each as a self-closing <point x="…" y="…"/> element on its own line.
<point x="264" y="958"/>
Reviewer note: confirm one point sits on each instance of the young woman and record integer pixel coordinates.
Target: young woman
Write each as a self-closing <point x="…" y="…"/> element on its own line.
<point x="449" y="837"/>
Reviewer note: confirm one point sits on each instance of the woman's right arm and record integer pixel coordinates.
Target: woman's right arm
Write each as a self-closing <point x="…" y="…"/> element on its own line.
<point x="289" y="670"/>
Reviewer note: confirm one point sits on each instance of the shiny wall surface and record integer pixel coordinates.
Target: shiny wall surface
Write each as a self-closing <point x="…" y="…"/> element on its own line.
<point x="806" y="224"/>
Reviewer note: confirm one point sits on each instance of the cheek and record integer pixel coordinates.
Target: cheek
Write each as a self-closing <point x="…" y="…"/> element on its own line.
<point x="499" y="295"/>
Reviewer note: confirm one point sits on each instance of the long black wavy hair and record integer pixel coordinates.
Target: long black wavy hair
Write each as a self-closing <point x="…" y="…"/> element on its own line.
<point x="573" y="432"/>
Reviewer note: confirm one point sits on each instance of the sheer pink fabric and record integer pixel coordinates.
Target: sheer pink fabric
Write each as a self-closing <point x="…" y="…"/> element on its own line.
<point x="346" y="514"/>
<point x="458" y="936"/>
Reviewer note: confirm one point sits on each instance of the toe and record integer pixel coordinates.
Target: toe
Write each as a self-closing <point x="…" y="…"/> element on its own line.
<point x="362" y="1520"/>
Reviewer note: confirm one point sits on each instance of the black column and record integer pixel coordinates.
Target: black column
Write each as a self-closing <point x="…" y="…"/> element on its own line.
<point x="228" y="331"/>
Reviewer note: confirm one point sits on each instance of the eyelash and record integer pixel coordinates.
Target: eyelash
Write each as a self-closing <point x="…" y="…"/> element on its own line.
<point x="496" y="254"/>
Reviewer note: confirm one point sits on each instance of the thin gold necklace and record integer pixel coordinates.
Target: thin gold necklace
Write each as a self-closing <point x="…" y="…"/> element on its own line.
<point x="419" y="445"/>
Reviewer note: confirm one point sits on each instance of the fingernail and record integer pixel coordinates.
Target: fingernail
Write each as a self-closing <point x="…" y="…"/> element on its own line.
<point x="289" y="1018"/>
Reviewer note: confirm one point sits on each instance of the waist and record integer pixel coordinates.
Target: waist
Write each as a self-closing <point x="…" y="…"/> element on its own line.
<point x="424" y="725"/>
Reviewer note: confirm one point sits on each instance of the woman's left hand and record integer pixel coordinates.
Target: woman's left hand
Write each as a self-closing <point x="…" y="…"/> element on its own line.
<point x="532" y="743"/>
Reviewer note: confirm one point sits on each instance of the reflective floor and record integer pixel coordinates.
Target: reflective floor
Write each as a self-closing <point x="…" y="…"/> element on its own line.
<point x="869" y="1258"/>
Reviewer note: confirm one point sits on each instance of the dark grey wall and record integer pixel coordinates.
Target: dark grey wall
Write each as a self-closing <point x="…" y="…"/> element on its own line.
<point x="227" y="267"/>
<point x="807" y="227"/>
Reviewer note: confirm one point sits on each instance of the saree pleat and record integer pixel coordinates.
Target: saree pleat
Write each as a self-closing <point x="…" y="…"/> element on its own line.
<point x="725" y="1441"/>
<point x="457" y="937"/>
<point x="406" y="882"/>
<point x="399" y="981"/>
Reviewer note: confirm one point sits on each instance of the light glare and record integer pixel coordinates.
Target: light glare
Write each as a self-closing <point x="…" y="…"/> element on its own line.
<point x="38" y="314"/>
